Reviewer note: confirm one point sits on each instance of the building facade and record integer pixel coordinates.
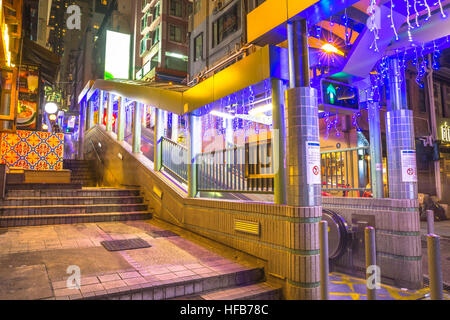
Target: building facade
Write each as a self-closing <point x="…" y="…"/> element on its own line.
<point x="161" y="49"/>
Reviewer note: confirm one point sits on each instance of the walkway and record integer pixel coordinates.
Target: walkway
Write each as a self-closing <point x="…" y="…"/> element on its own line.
<point x="34" y="262"/>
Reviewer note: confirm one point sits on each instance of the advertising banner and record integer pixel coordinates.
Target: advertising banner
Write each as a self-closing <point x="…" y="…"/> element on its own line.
<point x="28" y="103"/>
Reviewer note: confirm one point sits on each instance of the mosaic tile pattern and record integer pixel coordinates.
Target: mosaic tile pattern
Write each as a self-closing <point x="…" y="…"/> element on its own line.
<point x="32" y="150"/>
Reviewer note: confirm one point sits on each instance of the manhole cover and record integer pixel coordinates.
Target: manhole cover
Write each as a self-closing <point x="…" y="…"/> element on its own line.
<point x="162" y="234"/>
<point x="128" y="244"/>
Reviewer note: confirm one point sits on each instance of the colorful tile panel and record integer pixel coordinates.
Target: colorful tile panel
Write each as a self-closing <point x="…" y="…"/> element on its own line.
<point x="32" y="150"/>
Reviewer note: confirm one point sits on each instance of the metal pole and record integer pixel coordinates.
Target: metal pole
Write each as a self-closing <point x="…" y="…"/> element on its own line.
<point x="376" y="154"/>
<point x="371" y="259"/>
<point x="430" y="222"/>
<point x="324" y="262"/>
<point x="290" y="38"/>
<point x="434" y="266"/>
<point x="278" y="141"/>
<point x="305" y="53"/>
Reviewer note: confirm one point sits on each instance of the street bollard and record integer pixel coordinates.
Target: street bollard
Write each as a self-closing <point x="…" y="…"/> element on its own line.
<point x="430" y="222"/>
<point x="434" y="266"/>
<point x="371" y="260"/>
<point x="324" y="262"/>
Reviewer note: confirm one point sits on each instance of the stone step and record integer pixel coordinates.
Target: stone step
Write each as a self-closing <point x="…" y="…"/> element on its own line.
<point x="69" y="209"/>
<point x="257" y="291"/>
<point x="185" y="287"/>
<point x="48" y="201"/>
<point x="42" y="186"/>
<point x="40" y="220"/>
<point x="85" y="192"/>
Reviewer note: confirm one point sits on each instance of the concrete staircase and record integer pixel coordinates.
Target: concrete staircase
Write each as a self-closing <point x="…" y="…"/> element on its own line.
<point x="65" y="206"/>
<point x="83" y="172"/>
<point x="239" y="283"/>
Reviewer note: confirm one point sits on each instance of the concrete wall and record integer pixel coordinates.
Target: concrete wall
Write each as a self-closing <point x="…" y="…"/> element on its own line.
<point x="288" y="236"/>
<point x="397" y="225"/>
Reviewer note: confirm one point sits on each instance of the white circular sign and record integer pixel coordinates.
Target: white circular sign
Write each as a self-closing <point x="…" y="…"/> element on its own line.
<point x="51" y="107"/>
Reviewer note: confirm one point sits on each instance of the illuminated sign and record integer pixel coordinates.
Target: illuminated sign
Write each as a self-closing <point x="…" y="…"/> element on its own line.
<point x="339" y="95"/>
<point x="445" y="132"/>
<point x="117" y="55"/>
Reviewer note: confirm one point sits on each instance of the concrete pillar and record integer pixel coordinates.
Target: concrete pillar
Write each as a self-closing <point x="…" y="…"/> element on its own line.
<point x="303" y="172"/>
<point x="81" y="129"/>
<point x="376" y="155"/>
<point x="402" y="169"/>
<point x="137" y="127"/>
<point x="194" y="148"/>
<point x="121" y="120"/>
<point x="159" y="133"/>
<point x="100" y="107"/>
<point x="109" y="111"/>
<point x="174" y="127"/>
<point x="278" y="140"/>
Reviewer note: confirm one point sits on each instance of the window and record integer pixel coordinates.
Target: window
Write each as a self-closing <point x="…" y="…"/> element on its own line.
<point x="198" y="47"/>
<point x="175" y="8"/>
<point x="226" y="25"/>
<point x="143" y="22"/>
<point x="174" y="33"/>
<point x="197" y="5"/>
<point x="156" y="10"/>
<point x="176" y="64"/>
<point x="155" y="36"/>
<point x="144" y="42"/>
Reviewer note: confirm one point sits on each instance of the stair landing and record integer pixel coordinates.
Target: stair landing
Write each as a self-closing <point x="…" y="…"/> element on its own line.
<point x="173" y="267"/>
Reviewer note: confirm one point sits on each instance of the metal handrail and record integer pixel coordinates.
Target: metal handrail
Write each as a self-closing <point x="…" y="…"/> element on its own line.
<point x="341" y="171"/>
<point x="178" y="168"/>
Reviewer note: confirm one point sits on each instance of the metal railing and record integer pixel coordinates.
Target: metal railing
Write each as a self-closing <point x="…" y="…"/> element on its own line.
<point x="346" y="171"/>
<point x="246" y="169"/>
<point x="174" y="158"/>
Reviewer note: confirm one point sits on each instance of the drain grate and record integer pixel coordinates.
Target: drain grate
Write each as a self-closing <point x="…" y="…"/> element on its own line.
<point x="128" y="244"/>
<point x="163" y="234"/>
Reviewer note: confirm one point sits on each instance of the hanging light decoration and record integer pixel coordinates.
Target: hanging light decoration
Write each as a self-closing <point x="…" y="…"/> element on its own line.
<point x="373" y="26"/>
<point x="392" y="20"/>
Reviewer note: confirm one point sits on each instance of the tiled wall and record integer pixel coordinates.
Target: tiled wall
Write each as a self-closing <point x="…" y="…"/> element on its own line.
<point x="32" y="150"/>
